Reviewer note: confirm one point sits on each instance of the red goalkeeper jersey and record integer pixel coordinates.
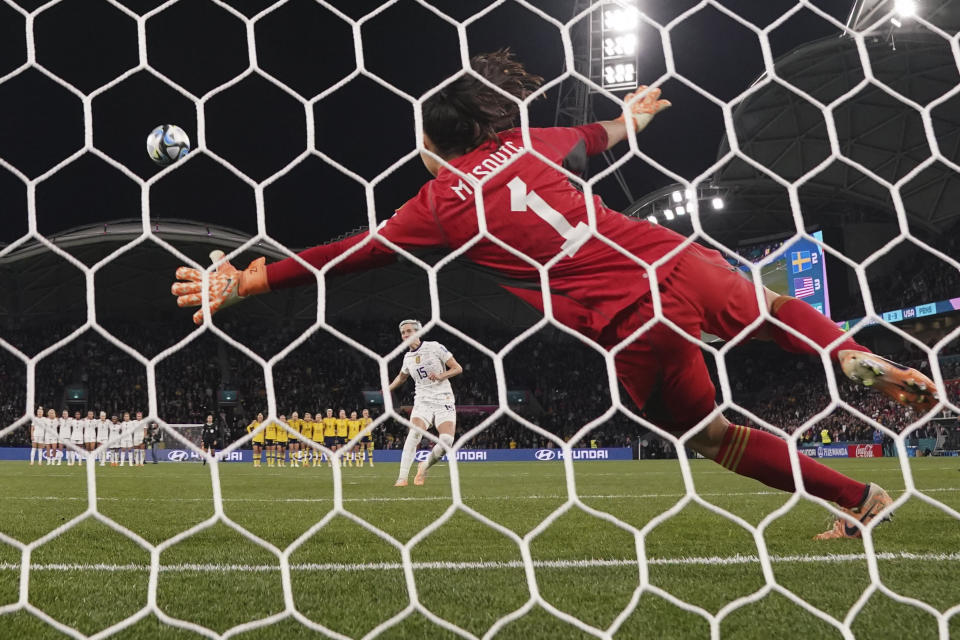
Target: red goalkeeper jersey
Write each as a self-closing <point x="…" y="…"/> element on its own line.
<point x="533" y="208"/>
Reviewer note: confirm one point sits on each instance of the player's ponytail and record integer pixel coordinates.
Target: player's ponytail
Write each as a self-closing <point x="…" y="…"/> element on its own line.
<point x="466" y="113"/>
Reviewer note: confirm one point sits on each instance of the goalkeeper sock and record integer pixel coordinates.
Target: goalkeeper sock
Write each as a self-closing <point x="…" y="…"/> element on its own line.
<point x="763" y="456"/>
<point x="799" y="315"/>
<point x="438" y="449"/>
<point x="409" y="452"/>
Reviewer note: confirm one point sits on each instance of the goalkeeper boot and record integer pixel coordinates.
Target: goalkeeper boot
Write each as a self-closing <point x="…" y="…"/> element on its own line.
<point x="905" y="385"/>
<point x="421" y="476"/>
<point x="874" y="503"/>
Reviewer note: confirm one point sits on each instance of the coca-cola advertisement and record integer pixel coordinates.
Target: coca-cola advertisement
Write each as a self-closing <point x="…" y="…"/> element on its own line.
<point x="864" y="451"/>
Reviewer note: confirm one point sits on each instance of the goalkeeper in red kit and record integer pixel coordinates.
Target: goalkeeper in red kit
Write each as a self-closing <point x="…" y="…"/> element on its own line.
<point x="598" y="289"/>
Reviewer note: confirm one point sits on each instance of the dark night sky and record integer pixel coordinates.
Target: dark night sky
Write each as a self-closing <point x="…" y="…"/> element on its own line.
<point x="362" y="125"/>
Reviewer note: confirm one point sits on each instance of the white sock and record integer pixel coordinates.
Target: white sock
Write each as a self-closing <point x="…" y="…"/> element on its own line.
<point x="438" y="449"/>
<point x="409" y="452"/>
<point x="33" y="453"/>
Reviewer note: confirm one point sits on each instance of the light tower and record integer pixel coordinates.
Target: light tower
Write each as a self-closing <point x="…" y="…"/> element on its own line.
<point x="605" y="46"/>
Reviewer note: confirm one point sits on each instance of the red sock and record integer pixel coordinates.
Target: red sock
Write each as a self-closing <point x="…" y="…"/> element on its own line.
<point x="798" y="315"/>
<point x="764" y="457"/>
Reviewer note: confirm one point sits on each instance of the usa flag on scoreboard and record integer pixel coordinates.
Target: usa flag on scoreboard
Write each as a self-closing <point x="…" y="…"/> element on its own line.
<point x="803" y="287"/>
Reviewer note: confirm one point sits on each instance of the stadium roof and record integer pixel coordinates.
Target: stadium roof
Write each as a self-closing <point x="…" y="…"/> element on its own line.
<point x="780" y="129"/>
<point x="135" y="282"/>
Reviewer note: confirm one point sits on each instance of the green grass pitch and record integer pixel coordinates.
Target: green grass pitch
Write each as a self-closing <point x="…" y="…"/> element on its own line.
<point x="350" y="580"/>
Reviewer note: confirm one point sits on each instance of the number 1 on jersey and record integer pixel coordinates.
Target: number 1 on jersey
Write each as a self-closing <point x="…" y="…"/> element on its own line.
<point x="521" y="200"/>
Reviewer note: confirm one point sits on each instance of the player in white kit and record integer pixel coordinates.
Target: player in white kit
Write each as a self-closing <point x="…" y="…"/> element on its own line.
<point x="126" y="439"/>
<point x="76" y="439"/>
<point x="103" y="434"/>
<point x="139" y="448"/>
<point x="90" y="434"/>
<point x="36" y="437"/>
<point x="64" y="430"/>
<point x="51" y="436"/>
<point x="431" y="366"/>
<point x="63" y="436"/>
<point x="114" y="431"/>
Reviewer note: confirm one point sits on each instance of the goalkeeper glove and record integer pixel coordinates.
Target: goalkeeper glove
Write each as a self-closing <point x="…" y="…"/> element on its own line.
<point x="227" y="285"/>
<point x="645" y="108"/>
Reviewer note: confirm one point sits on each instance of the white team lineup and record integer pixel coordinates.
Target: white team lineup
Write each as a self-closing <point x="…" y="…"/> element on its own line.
<point x="76" y="439"/>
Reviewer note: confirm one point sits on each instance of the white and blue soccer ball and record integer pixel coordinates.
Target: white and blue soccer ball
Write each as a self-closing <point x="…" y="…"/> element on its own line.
<point x="167" y="143"/>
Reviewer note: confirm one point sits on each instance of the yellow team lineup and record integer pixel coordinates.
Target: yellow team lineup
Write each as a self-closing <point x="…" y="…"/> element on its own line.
<point x="295" y="440"/>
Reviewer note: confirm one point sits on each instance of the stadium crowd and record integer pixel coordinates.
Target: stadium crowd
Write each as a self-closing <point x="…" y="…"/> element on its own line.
<point x="324" y="372"/>
<point x="912" y="281"/>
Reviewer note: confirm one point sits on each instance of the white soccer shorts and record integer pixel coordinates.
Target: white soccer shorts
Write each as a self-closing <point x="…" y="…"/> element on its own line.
<point x="434" y="413"/>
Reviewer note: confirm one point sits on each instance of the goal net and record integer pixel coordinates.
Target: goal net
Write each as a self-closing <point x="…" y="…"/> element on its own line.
<point x="837" y="149"/>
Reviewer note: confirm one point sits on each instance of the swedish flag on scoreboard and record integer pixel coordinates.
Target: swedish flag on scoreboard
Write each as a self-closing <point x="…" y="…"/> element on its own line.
<point x="800" y="261"/>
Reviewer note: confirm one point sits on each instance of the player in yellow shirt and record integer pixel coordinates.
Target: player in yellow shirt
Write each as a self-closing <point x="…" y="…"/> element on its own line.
<point x="342" y="430"/>
<point x="283" y="437"/>
<point x="330" y="435"/>
<point x="270" y="437"/>
<point x="366" y="444"/>
<point x="306" y="438"/>
<point x="294" y="434"/>
<point x="257" y="439"/>
<point x="353" y="430"/>
<point x="317" y="439"/>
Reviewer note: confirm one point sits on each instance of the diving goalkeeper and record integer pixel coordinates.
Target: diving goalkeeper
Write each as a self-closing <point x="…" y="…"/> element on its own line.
<point x="600" y="291"/>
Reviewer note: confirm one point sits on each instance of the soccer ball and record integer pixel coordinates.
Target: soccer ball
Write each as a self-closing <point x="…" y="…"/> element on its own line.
<point x="167" y="143"/>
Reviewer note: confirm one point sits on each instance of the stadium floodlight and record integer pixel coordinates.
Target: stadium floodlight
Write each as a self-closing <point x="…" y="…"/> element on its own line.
<point x="668" y="214"/>
<point x="677" y="196"/>
<point x="625" y="45"/>
<point x="620" y="73"/>
<point x="681" y="211"/>
<point x="653" y="220"/>
<point x="717" y="204"/>
<point x="905" y="8"/>
<point x="619" y="20"/>
<point x="614" y="45"/>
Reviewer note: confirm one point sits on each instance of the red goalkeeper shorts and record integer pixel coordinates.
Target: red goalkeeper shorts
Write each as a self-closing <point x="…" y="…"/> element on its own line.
<point x="662" y="369"/>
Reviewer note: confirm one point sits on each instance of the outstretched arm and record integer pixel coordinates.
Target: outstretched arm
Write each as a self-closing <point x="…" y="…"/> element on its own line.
<point x="413" y="225"/>
<point x="642" y="111"/>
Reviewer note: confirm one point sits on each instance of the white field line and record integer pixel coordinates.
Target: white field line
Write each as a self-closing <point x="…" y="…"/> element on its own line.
<point x="467" y="498"/>
<point x="738" y="559"/>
